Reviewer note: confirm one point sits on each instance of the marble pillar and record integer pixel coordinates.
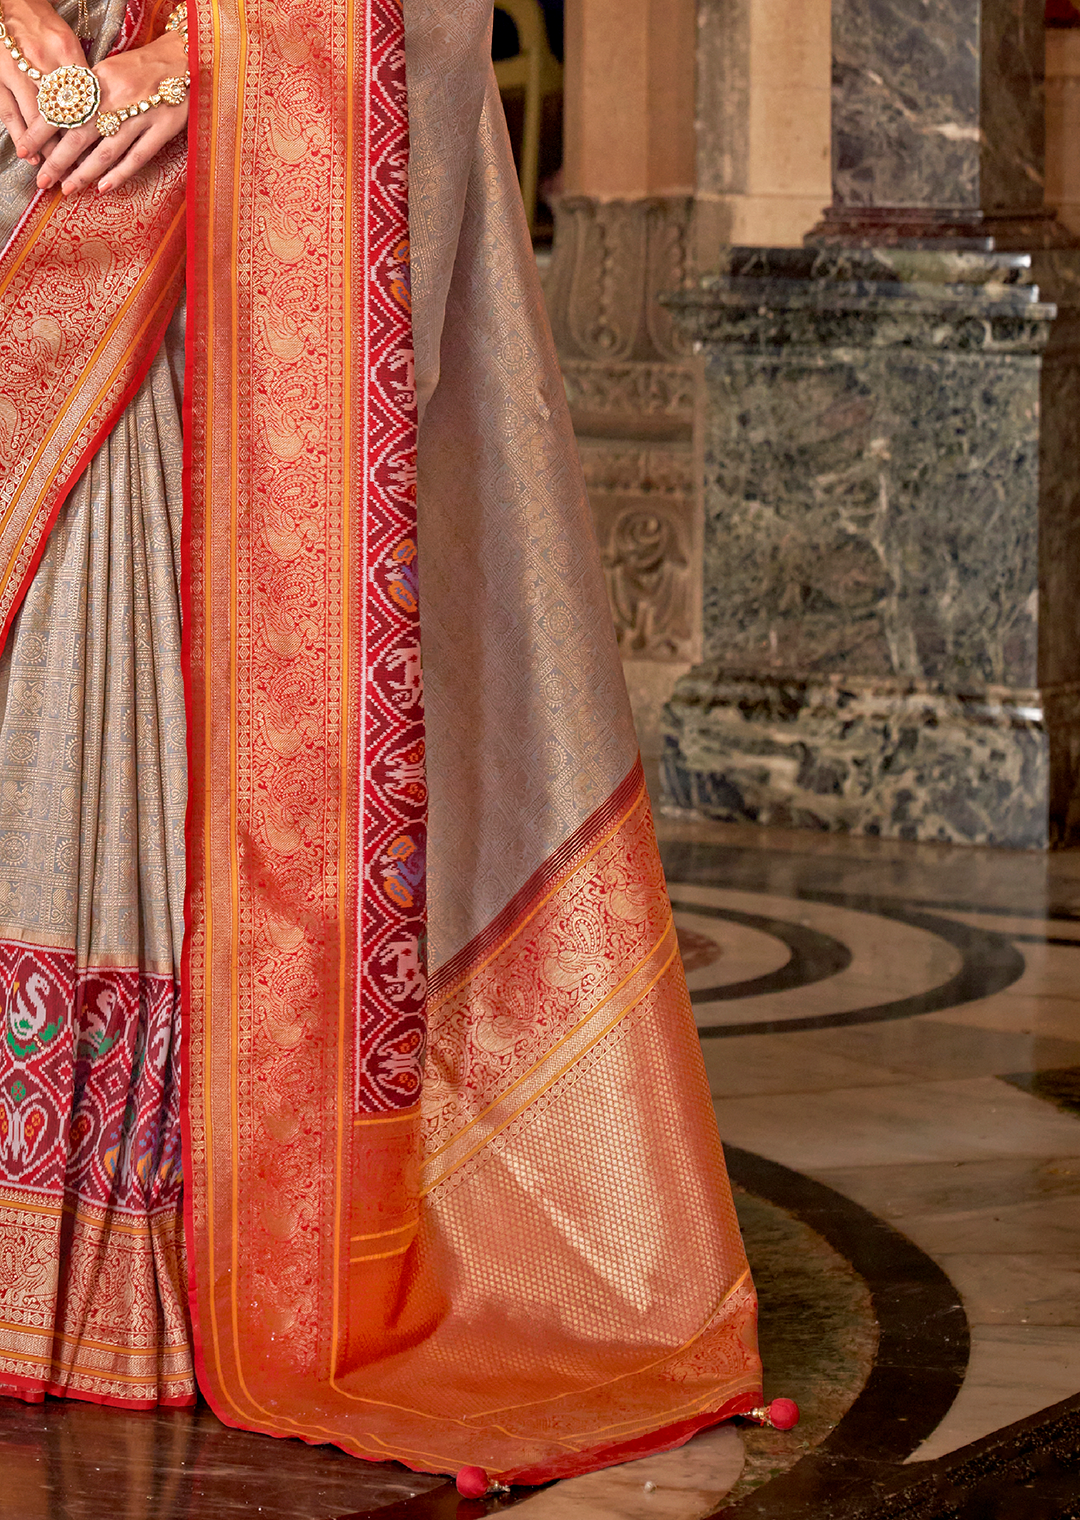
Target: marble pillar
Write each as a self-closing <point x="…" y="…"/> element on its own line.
<point x="1063" y="124"/>
<point x="938" y="121"/>
<point x="763" y="113"/>
<point x="631" y="382"/>
<point x="629" y="98"/>
<point x="622" y="235"/>
<point x="891" y="618"/>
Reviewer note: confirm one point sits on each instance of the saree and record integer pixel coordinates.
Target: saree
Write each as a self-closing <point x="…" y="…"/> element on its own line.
<point x="402" y="985"/>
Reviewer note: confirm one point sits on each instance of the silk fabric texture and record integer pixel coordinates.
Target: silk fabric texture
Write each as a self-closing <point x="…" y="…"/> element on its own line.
<point x="513" y="1246"/>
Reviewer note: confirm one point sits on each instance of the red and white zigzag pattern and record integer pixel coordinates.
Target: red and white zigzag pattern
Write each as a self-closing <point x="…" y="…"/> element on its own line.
<point x="392" y="973"/>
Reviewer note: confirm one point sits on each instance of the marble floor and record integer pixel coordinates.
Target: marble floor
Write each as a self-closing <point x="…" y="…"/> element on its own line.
<point x="892" y="1036"/>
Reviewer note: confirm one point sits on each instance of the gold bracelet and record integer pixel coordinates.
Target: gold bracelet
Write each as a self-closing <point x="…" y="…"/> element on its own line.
<point x="68" y="96"/>
<point x="170" y="92"/>
<point x="177" y="22"/>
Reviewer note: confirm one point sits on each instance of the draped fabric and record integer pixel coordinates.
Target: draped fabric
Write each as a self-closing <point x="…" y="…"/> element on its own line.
<point x="453" y="1189"/>
<point x="93" y="1278"/>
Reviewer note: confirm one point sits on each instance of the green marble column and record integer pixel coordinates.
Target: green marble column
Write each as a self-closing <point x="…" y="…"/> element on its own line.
<point x="891" y="598"/>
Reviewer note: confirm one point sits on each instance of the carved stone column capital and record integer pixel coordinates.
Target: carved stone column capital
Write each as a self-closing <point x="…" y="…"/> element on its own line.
<point x="610" y="262"/>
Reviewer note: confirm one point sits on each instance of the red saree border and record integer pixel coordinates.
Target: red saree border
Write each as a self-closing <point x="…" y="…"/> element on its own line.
<point x="36" y="1393"/>
<point x="40" y="518"/>
<point x="307" y="794"/>
<point x="667" y="1438"/>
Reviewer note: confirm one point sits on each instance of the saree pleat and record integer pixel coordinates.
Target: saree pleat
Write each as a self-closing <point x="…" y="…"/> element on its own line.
<point x="93" y="1275"/>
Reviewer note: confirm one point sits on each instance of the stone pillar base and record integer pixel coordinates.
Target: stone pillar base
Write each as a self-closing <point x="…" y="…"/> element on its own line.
<point x="895" y="759"/>
<point x="891" y="510"/>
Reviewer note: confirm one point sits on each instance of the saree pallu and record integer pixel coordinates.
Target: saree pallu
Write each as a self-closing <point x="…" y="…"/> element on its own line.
<point x="453" y="1186"/>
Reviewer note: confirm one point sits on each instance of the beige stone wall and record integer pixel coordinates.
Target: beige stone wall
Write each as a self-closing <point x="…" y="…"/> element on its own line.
<point x="629" y="101"/>
<point x="1063" y="126"/>
<point x="763" y="120"/>
<point x="755" y="143"/>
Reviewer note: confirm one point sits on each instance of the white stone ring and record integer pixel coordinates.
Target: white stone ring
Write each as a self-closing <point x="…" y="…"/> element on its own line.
<point x="69" y="96"/>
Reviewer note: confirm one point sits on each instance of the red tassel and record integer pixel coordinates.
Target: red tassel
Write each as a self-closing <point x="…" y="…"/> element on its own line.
<point x="781" y="1414"/>
<point x="472" y="1483"/>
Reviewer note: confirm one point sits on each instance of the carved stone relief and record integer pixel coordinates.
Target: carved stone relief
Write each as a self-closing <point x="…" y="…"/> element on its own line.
<point x="633" y="400"/>
<point x="642" y="501"/>
<point x="632" y="384"/>
<point x="647" y="582"/>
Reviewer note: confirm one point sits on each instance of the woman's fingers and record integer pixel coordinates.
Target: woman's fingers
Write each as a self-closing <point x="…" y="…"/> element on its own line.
<point x="80" y="158"/>
<point x="161" y="129"/>
<point x="36" y="134"/>
<point x="113" y="160"/>
<point x="39" y="134"/>
<point x="28" y="143"/>
<point x="100" y="158"/>
<point x="65" y="153"/>
<point x="11" y="115"/>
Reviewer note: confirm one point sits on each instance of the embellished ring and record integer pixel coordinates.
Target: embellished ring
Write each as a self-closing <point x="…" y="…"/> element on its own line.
<point x="69" y="96"/>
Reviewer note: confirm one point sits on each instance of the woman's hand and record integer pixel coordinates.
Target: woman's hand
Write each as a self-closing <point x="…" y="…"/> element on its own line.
<point x="47" y="43"/>
<point x="81" y="158"/>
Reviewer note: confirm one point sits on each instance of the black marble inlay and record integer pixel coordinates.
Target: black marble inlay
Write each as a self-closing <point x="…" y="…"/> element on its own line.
<point x="1058" y="915"/>
<point x="1045" y="939"/>
<point x="991" y="963"/>
<point x="1060" y="1087"/>
<point x="814" y="956"/>
<point x="922" y="1349"/>
<point x="1026" y="1471"/>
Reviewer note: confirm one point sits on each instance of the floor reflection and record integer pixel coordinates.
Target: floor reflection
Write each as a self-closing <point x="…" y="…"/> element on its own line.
<point x="67" y="1460"/>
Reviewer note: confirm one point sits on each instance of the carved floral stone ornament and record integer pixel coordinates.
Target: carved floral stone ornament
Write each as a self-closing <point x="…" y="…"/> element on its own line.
<point x="647" y="584"/>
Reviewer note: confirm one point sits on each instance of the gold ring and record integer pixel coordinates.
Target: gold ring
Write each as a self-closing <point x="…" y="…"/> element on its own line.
<point x="69" y="96"/>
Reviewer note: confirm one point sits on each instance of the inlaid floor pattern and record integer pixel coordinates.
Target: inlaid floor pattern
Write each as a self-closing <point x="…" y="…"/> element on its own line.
<point x="892" y="1037"/>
